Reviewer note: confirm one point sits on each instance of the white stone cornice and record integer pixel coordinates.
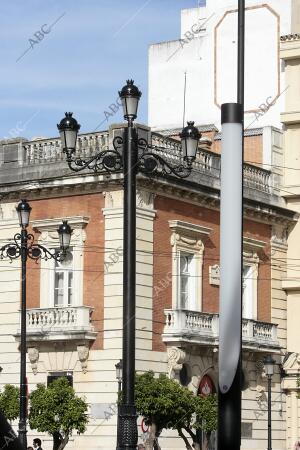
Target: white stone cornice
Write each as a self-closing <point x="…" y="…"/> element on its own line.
<point x="291" y="284"/>
<point x="253" y="245"/>
<point x="52" y="224"/>
<point x="189" y="229"/>
<point x="112" y="212"/>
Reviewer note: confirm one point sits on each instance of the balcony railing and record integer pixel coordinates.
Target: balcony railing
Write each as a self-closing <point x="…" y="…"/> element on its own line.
<point x="203" y="328"/>
<point x="45" y="151"/>
<point x="59" y="323"/>
<point x="49" y="150"/>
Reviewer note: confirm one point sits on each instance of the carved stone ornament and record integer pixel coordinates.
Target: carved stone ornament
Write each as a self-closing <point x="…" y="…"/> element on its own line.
<point x="33" y="355"/>
<point x="113" y="199"/>
<point x="188" y="234"/>
<point x="83" y="354"/>
<point x="144" y="199"/>
<point x="279" y="235"/>
<point x="291" y="366"/>
<point x="214" y="275"/>
<point x="109" y="200"/>
<point x="176" y="357"/>
<point x="188" y="242"/>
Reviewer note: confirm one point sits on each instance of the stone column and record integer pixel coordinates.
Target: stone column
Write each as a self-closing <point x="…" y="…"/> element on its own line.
<point x="294" y="418"/>
<point x="291" y="367"/>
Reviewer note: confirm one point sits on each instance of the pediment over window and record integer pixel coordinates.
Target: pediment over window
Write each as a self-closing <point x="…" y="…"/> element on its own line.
<point x="189" y="229"/>
<point x="253" y="245"/>
<point x="48" y="228"/>
<point x="188" y="234"/>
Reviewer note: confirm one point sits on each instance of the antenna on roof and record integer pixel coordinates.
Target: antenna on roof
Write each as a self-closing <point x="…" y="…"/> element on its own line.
<point x="184" y="96"/>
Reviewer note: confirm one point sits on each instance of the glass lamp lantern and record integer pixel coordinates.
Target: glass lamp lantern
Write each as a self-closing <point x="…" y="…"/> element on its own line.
<point x="119" y="370"/>
<point x="23" y="210"/>
<point x="189" y="141"/>
<point x="130" y="96"/>
<point x="68" y="130"/>
<point x="269" y="364"/>
<point x="64" y="233"/>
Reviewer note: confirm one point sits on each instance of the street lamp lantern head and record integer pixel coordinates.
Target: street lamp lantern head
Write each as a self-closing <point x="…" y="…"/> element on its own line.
<point x="23" y="210"/>
<point x="64" y="233"/>
<point x="189" y="141"/>
<point x="130" y="96"/>
<point x="119" y="370"/>
<point x="269" y="364"/>
<point x="68" y="130"/>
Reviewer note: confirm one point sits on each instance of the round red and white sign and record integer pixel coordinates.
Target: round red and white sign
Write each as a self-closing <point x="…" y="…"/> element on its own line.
<point x="206" y="386"/>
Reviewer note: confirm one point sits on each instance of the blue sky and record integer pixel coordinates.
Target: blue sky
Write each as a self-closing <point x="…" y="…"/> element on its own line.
<point x="81" y="63"/>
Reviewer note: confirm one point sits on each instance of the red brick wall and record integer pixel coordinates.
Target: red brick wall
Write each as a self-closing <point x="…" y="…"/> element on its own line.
<point x="253" y="149"/>
<point x="84" y="205"/>
<point x="169" y="209"/>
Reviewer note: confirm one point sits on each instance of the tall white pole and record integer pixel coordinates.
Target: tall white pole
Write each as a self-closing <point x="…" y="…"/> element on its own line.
<point x="229" y="423"/>
<point x="231" y="265"/>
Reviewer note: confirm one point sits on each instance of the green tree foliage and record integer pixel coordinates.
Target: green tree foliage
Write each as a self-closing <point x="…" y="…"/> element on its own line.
<point x="164" y="403"/>
<point x="9" y="401"/>
<point x="58" y="411"/>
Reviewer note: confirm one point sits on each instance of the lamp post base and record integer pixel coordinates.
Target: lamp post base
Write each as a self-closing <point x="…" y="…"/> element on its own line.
<point x="22" y="434"/>
<point x="128" y="432"/>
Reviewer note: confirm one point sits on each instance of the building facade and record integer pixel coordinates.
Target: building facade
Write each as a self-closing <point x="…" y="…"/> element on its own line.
<point x="74" y="316"/>
<point x="290" y="54"/>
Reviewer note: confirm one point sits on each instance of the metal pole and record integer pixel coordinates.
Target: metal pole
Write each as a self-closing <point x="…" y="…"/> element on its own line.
<point x="241" y="53"/>
<point x="269" y="413"/>
<point x="23" y="388"/>
<point x="230" y="367"/>
<point x="229" y="392"/>
<point x="128" y="417"/>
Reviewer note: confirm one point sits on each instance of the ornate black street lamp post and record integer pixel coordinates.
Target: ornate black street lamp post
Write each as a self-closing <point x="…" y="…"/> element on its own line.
<point x="269" y="371"/>
<point x="130" y="155"/>
<point x="24" y="247"/>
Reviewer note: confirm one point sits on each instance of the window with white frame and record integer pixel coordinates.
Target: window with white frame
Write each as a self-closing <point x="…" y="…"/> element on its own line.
<point x="63" y="281"/>
<point x="251" y="247"/>
<point x="187" y="281"/>
<point x="250" y="275"/>
<point x="187" y="264"/>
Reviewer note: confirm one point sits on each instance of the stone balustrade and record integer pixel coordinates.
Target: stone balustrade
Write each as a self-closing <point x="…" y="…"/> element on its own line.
<point x="59" y="323"/>
<point x="203" y="328"/>
<point x="31" y="155"/>
<point x="49" y="150"/>
<point x="257" y="178"/>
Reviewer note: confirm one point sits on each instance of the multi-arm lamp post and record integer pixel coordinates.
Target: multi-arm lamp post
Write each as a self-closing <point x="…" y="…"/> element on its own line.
<point x="269" y="363"/>
<point x="130" y="155"/>
<point x="24" y="247"/>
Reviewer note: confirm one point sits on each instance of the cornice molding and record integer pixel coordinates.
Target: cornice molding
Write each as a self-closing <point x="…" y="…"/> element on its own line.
<point x="253" y="245"/>
<point x="206" y="197"/>
<point x="189" y="229"/>
<point x="52" y="224"/>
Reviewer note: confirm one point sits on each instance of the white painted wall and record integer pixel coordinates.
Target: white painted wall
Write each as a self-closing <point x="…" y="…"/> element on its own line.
<point x="210" y="62"/>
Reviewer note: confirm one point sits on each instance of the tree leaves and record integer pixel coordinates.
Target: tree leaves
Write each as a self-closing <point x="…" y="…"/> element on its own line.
<point x="167" y="404"/>
<point x="9" y="401"/>
<point x="57" y="410"/>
